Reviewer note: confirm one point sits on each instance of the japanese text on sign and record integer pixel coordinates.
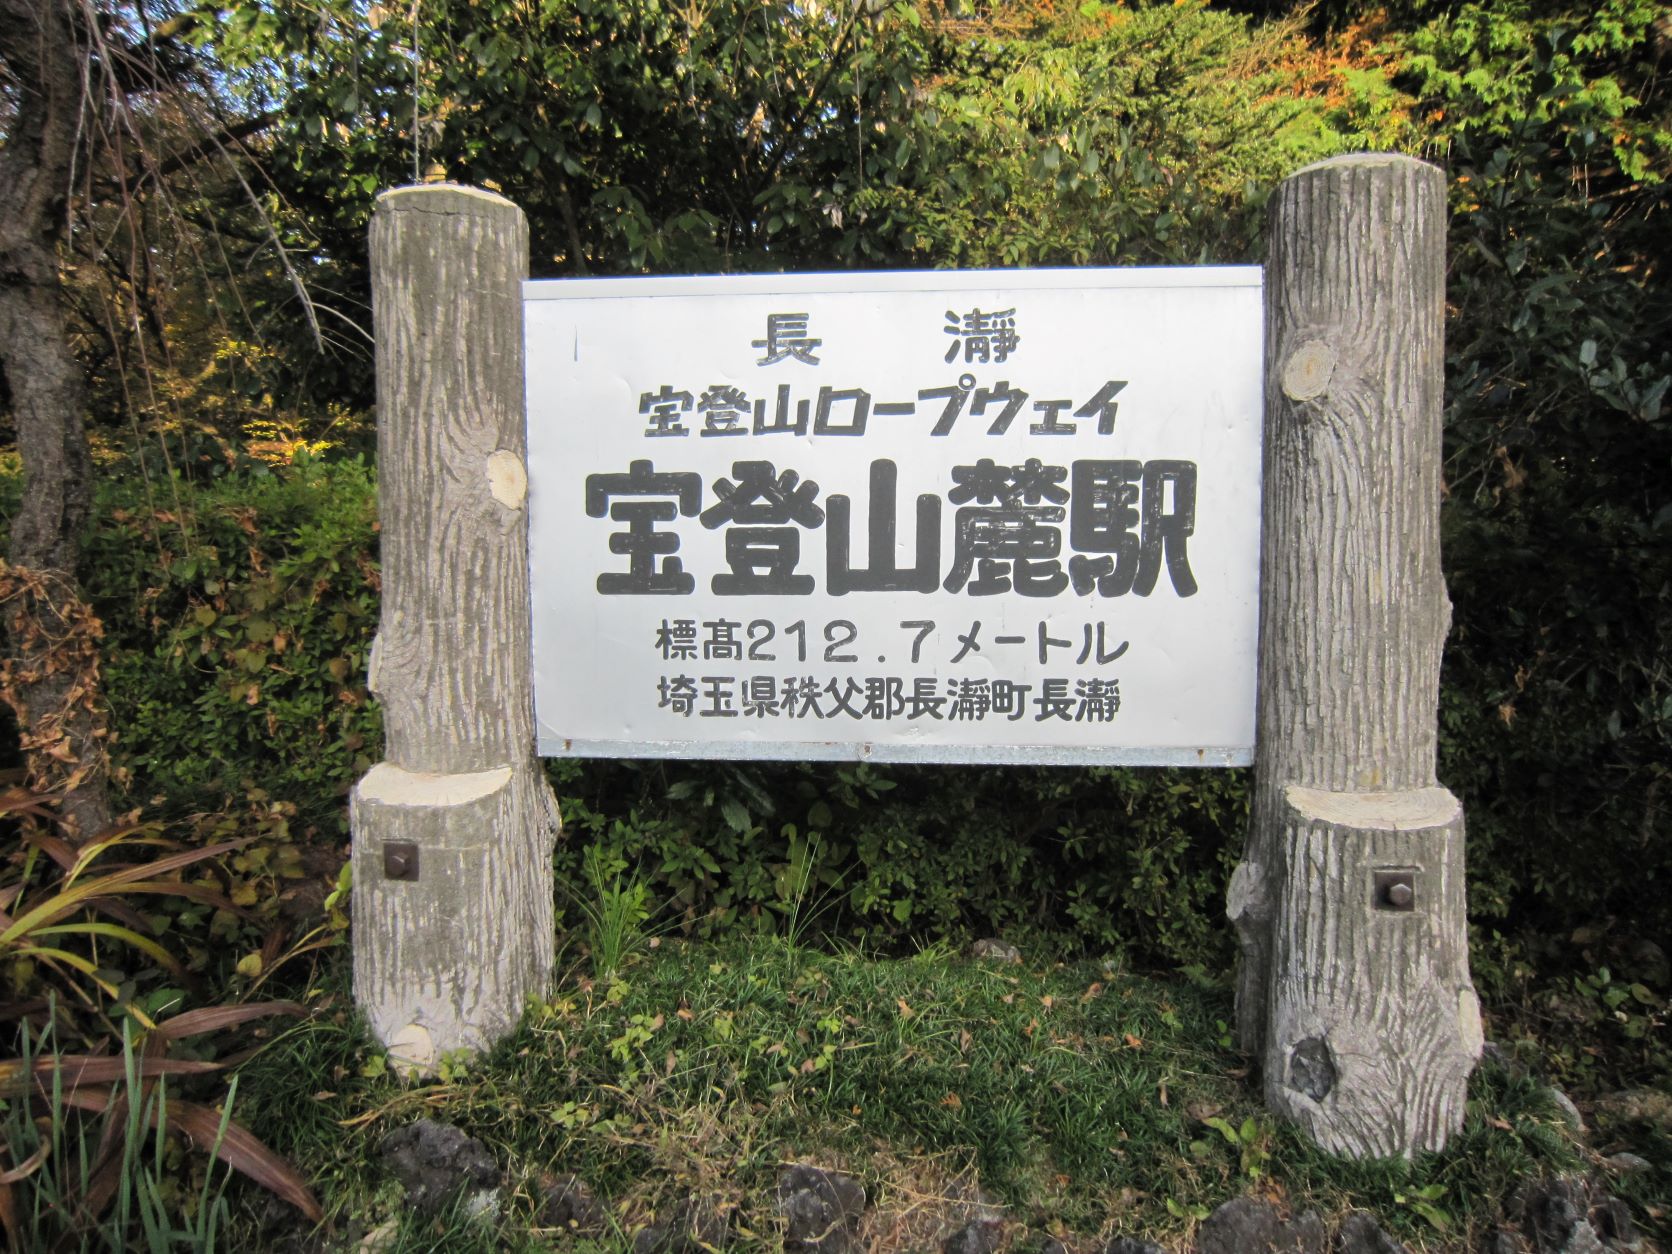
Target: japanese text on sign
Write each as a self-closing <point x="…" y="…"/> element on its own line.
<point x="956" y="517"/>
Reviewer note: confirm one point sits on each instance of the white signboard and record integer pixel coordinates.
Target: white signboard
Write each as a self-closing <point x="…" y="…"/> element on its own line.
<point x="1000" y="516"/>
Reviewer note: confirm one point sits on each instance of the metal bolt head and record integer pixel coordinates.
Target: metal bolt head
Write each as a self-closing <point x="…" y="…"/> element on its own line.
<point x="400" y="860"/>
<point x="1395" y="890"/>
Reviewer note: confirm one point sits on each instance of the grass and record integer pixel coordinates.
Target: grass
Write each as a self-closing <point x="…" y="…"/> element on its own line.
<point x="57" y="1162"/>
<point x="1083" y="1099"/>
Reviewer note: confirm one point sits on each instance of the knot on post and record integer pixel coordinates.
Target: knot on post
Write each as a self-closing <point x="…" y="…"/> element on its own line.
<point x="1308" y="370"/>
<point x="1311" y="1069"/>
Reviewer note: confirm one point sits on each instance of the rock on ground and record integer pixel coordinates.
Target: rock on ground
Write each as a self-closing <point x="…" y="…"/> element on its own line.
<point x="1637" y="1106"/>
<point x="1361" y="1234"/>
<point x="994" y="950"/>
<point x="568" y="1202"/>
<point x="978" y="1236"/>
<point x="1246" y="1225"/>
<point x="688" y="1228"/>
<point x="434" y="1161"/>
<point x="820" y="1209"/>
<point x="1568" y="1111"/>
<point x="1566" y="1215"/>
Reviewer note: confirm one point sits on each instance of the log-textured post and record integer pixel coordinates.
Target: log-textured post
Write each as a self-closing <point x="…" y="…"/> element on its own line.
<point x="453" y="831"/>
<point x="1354" y="987"/>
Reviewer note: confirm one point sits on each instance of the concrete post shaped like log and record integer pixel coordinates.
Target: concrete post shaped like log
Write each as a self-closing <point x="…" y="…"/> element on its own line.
<point x="1354" y="986"/>
<point x="453" y="832"/>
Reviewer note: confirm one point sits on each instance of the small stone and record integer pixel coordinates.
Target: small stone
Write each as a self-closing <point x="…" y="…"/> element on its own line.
<point x="1625" y="1164"/>
<point x="1549" y="1211"/>
<point x="820" y="1209"/>
<point x="1568" y="1111"/>
<point x="570" y="1203"/>
<point x="1245" y="1225"/>
<point x="971" y="1202"/>
<point x="482" y="1204"/>
<point x="435" y="1161"/>
<point x="1612" y="1218"/>
<point x="1052" y="1246"/>
<point x="1132" y="1245"/>
<point x="1361" y="1234"/>
<point x="1637" y="1106"/>
<point x="689" y="1227"/>
<point x="1582" y="1240"/>
<point x="994" y="950"/>
<point x="979" y="1236"/>
<point x="1567" y="1215"/>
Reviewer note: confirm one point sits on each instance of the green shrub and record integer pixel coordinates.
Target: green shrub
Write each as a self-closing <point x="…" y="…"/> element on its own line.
<point x="1100" y="857"/>
<point x="239" y="614"/>
<point x="1557" y="711"/>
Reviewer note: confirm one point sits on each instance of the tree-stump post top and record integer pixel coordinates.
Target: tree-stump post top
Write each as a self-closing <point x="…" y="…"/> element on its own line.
<point x="448" y="265"/>
<point x="453" y="831"/>
<point x="1349" y="903"/>
<point x="1355" y="307"/>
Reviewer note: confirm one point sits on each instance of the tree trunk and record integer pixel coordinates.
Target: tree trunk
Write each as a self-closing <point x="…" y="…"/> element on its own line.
<point x="453" y="920"/>
<point x="51" y="669"/>
<point x="1354" y="987"/>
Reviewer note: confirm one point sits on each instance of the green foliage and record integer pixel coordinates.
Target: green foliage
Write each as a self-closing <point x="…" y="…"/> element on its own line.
<point x="1592" y="1027"/>
<point x="615" y="911"/>
<point x="1150" y="138"/>
<point x="1557" y="710"/>
<point x="1099" y="857"/>
<point x="635" y="136"/>
<point x="82" y="927"/>
<point x="1251" y="1139"/>
<point x="747" y="136"/>
<point x="239" y="615"/>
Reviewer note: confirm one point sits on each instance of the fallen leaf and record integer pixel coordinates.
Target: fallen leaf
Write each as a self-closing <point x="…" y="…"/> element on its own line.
<point x="906" y="1011"/>
<point x="952" y="1102"/>
<point x="1133" y="1042"/>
